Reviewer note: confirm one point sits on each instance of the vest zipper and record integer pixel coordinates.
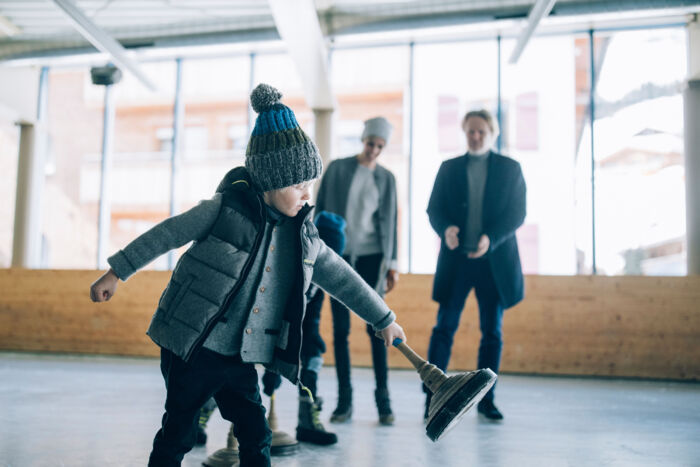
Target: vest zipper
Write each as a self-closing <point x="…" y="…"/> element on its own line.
<point x="303" y="304"/>
<point x="229" y="298"/>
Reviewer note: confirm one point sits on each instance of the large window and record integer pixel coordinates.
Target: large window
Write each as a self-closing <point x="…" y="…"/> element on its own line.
<point x="140" y="174"/>
<point x="369" y="83"/>
<point x="9" y="149"/>
<point x="215" y="129"/>
<point x="71" y="201"/>
<point x="449" y="80"/>
<point x="279" y="70"/>
<point x="608" y="199"/>
<point x="542" y="120"/>
<point x="638" y="144"/>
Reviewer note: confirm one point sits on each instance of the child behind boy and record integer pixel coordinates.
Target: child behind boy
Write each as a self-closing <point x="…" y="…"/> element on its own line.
<point x="236" y="296"/>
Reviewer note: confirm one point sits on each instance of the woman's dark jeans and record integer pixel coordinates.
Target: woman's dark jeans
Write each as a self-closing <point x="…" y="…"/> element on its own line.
<point x="368" y="268"/>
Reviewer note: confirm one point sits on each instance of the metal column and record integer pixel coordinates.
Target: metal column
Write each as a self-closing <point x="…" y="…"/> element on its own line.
<point x="691" y="115"/>
<point x="105" y="212"/>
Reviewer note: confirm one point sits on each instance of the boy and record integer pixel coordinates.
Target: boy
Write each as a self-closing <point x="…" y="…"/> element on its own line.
<point x="236" y="297"/>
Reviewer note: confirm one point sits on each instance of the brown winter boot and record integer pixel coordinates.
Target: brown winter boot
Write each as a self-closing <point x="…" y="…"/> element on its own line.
<point x="343" y="412"/>
<point x="386" y="416"/>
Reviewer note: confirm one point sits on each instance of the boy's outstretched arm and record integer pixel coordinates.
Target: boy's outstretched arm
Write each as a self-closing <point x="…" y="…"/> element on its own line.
<point x="334" y="275"/>
<point x="103" y="288"/>
<point x="172" y="233"/>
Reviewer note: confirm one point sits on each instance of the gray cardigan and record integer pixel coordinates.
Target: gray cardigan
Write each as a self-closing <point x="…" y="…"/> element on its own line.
<point x="333" y="197"/>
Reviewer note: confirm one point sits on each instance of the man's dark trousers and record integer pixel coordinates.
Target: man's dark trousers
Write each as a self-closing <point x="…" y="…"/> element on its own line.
<point x="234" y="386"/>
<point x="476" y="274"/>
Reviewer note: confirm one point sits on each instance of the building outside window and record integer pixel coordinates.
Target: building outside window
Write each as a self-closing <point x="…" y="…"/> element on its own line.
<point x="71" y="190"/>
<point x="215" y="95"/>
<point x="449" y="80"/>
<point x="140" y="175"/>
<point x="372" y="82"/>
<point x="279" y="70"/>
<point x="545" y="115"/>
<point x="640" y="175"/>
<point x="541" y="121"/>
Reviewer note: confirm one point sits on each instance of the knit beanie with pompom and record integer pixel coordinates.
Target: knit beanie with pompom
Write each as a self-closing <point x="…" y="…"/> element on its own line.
<point x="279" y="153"/>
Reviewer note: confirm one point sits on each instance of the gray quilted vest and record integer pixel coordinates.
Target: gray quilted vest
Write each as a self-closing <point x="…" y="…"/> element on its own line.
<point x="209" y="274"/>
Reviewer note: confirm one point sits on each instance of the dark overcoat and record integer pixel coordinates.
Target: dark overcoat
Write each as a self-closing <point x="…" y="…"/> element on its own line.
<point x="503" y="212"/>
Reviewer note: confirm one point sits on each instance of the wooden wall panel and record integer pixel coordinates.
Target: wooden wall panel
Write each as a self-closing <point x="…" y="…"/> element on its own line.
<point x="613" y="326"/>
<point x="50" y="310"/>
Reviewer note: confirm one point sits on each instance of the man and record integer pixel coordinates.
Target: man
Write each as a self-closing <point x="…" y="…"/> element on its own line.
<point x="477" y="203"/>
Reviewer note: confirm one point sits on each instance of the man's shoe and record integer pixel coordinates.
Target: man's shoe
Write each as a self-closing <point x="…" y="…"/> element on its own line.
<point x="489" y="410"/>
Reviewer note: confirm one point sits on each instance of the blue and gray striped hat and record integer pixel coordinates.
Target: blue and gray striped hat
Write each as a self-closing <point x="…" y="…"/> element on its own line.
<point x="279" y="153"/>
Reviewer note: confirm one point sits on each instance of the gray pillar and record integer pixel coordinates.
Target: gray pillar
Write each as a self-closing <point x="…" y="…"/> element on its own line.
<point x="322" y="133"/>
<point x="691" y="114"/>
<point x="691" y="106"/>
<point x="26" y="244"/>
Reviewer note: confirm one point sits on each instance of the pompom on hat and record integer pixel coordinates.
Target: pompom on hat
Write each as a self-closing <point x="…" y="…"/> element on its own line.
<point x="279" y="153"/>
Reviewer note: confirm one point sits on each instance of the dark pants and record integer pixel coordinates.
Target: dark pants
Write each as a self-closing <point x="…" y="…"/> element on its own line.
<point x="368" y="268"/>
<point x="312" y="347"/>
<point x="312" y="344"/>
<point x="471" y="273"/>
<point x="234" y="386"/>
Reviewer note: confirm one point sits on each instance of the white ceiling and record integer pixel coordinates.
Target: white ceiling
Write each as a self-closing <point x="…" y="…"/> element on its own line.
<point x="39" y="27"/>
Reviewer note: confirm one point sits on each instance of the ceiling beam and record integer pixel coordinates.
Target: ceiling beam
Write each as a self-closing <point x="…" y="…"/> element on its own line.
<point x="298" y="26"/>
<point x="7" y="27"/>
<point x="540" y="10"/>
<point x="103" y="41"/>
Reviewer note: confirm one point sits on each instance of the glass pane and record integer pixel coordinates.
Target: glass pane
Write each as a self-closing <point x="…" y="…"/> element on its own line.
<point x="368" y="83"/>
<point x="268" y="69"/>
<point x="215" y="94"/>
<point x="215" y="130"/>
<point x="9" y="151"/>
<point x="543" y="126"/>
<point x="640" y="176"/>
<point x="140" y="174"/>
<point x="73" y="176"/>
<point x="444" y="90"/>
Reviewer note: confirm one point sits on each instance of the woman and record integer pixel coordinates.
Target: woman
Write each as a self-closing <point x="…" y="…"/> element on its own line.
<point x="363" y="192"/>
